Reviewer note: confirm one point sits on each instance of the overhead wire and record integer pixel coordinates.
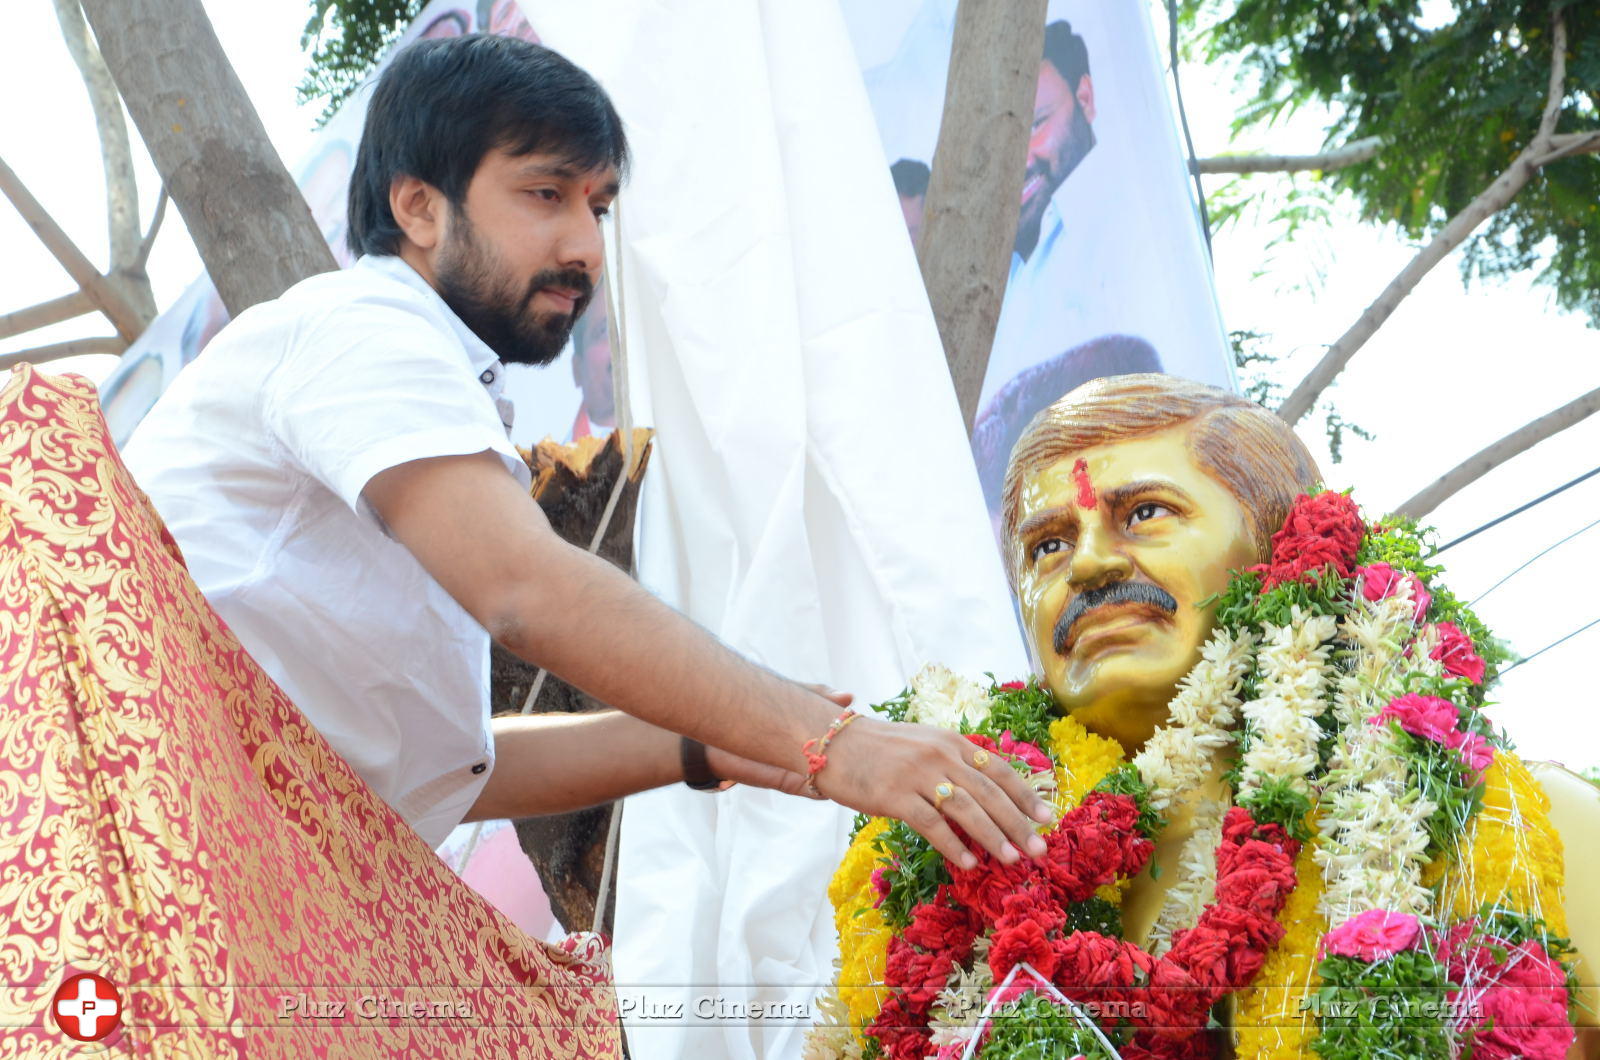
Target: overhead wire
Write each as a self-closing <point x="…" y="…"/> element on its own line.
<point x="1530" y="562"/>
<point x="1547" y="647"/>
<point x="1514" y="512"/>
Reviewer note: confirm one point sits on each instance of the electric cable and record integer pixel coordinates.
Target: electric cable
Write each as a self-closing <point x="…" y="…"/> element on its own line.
<point x="1183" y="121"/>
<point x="1547" y="647"/>
<point x="1525" y="566"/>
<point x="1516" y="511"/>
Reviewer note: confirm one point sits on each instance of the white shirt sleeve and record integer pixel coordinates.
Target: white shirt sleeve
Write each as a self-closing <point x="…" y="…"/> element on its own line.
<point x="375" y="384"/>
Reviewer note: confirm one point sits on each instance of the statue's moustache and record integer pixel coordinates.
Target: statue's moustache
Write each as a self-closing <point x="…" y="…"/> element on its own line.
<point x="1115" y="593"/>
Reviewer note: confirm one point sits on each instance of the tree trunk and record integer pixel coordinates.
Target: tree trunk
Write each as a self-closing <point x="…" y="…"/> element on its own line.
<point x="970" y="215"/>
<point x="253" y="230"/>
<point x="1481" y="463"/>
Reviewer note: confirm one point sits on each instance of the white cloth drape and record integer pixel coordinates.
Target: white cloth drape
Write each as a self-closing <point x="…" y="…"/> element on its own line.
<point x="811" y="499"/>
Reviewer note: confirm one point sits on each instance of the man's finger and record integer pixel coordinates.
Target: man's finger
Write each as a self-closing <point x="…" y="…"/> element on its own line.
<point x="978" y="823"/>
<point x="931" y="825"/>
<point x="1001" y="808"/>
<point x="1018" y="790"/>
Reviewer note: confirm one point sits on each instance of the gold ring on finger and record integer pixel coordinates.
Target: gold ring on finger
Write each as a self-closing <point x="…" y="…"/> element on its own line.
<point x="942" y="792"/>
<point x="980" y="758"/>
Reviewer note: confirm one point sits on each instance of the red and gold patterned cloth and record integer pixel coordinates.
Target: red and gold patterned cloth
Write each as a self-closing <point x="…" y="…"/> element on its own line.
<point x="170" y="821"/>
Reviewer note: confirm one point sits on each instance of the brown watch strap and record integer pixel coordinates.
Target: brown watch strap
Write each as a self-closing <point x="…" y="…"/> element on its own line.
<point x="696" y="770"/>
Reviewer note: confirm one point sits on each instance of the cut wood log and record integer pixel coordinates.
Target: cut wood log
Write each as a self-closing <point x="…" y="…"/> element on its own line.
<point x="572" y="485"/>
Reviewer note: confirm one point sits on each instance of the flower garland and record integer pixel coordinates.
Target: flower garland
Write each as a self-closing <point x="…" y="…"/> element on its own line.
<point x="1354" y="724"/>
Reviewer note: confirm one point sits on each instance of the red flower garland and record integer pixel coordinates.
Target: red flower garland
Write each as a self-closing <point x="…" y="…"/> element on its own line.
<point x="1023" y="905"/>
<point x="1320" y="530"/>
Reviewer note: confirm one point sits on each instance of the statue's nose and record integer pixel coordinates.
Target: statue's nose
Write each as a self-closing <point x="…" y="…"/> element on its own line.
<point x="1097" y="560"/>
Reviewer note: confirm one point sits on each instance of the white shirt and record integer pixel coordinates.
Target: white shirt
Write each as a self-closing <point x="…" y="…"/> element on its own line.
<point x="1053" y="296"/>
<point x="256" y="458"/>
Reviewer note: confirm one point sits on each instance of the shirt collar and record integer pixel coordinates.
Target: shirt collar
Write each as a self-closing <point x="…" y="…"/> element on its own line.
<point x="395" y="267"/>
<point x="485" y="362"/>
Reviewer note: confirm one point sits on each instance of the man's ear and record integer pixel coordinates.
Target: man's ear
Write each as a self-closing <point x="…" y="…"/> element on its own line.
<point x="419" y="210"/>
<point x="1085" y="94"/>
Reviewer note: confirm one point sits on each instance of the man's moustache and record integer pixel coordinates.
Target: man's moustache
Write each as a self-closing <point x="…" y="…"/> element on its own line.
<point x="1115" y="593"/>
<point x="569" y="279"/>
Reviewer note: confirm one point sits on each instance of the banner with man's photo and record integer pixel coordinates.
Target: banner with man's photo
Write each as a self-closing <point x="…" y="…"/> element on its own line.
<point x="1109" y="273"/>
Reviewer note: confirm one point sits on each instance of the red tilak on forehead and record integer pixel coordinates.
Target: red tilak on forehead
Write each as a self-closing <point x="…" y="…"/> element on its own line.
<point x="587" y="188"/>
<point x="1086" y="497"/>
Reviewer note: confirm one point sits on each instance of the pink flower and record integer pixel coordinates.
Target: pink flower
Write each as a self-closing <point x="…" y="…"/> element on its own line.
<point x="1430" y="717"/>
<point x="1037" y="760"/>
<point x="880" y="884"/>
<point x="1373" y="935"/>
<point x="1455" y="651"/>
<point x="1476" y="753"/>
<point x="1381" y="581"/>
<point x="1013" y="686"/>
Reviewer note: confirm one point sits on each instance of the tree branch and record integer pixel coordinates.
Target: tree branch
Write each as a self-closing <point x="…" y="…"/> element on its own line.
<point x="149" y="240"/>
<point x="1491" y="457"/>
<point x="1353" y="153"/>
<point x="106" y="297"/>
<point x="970" y="216"/>
<point x="122" y="189"/>
<point x="45" y="313"/>
<point x="1565" y="145"/>
<point x="1492" y="199"/>
<point x="250" y="224"/>
<point x="75" y="348"/>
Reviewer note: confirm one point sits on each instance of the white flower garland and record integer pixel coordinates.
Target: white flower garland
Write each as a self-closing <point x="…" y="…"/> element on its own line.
<point x="945" y="699"/>
<point x="1371" y="817"/>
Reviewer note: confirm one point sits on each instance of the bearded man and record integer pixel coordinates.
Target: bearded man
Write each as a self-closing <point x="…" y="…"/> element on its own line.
<point x="1126" y="506"/>
<point x="337" y="470"/>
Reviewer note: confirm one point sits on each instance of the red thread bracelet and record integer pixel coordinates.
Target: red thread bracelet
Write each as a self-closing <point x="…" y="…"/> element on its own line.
<point x="816" y="760"/>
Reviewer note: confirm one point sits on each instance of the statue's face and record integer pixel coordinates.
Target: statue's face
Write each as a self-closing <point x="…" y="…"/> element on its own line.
<point x="1119" y="544"/>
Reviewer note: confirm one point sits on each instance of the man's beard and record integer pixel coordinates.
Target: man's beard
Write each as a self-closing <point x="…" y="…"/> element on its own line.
<point x="471" y="285"/>
<point x="1079" y="142"/>
<point x="1116" y="593"/>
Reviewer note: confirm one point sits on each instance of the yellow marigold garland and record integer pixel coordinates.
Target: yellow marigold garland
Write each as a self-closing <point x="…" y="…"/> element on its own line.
<point x="1271" y="1018"/>
<point x="863" y="936"/>
<point x="1510" y="854"/>
<point x="1091" y="757"/>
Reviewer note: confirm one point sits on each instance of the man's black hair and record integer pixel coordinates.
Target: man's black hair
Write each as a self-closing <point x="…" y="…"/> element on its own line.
<point x="1066" y="51"/>
<point x="910" y="177"/>
<point x="443" y="104"/>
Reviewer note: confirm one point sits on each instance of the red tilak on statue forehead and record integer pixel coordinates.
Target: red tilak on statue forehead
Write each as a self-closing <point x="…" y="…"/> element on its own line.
<point x="1080" y="475"/>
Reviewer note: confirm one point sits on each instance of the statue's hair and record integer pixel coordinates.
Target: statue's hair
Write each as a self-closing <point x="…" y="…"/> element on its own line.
<point x="1251" y="452"/>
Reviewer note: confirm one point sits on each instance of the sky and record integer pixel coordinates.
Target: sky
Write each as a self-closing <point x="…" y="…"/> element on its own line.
<point x="1452" y="371"/>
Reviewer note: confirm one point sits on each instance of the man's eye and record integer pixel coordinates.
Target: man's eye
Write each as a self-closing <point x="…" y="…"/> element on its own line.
<point x="1148" y="510"/>
<point x="1048" y="547"/>
<point x="601" y="211"/>
<point x="547" y="194"/>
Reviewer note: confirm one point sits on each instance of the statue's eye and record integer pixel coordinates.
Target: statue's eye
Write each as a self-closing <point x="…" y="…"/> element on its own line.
<point x="1147" y="510"/>
<point x="1048" y="547"/>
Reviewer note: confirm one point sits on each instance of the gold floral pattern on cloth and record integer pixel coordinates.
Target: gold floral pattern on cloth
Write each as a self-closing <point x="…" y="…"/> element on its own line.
<point x="168" y="819"/>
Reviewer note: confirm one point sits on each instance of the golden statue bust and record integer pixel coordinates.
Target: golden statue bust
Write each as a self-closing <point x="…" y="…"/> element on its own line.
<point x="1127" y="505"/>
<point x="1263" y="731"/>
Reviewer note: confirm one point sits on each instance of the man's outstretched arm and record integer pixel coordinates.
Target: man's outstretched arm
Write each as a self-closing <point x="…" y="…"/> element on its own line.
<point x="488" y="544"/>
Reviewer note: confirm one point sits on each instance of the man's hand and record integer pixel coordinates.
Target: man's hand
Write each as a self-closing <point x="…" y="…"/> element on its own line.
<point x="484" y="539"/>
<point x="893" y="770"/>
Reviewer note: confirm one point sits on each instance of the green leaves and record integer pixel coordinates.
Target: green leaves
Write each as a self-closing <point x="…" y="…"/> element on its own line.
<point x="1393" y="1008"/>
<point x="915" y="872"/>
<point x="1455" y="89"/>
<point x="349" y="36"/>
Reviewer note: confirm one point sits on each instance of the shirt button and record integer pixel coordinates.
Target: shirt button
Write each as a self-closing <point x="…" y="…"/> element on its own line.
<point x="487" y="377"/>
<point x="479" y="768"/>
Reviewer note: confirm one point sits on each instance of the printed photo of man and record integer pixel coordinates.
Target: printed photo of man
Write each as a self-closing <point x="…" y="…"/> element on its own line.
<point x="911" y="184"/>
<point x="1062" y="133"/>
